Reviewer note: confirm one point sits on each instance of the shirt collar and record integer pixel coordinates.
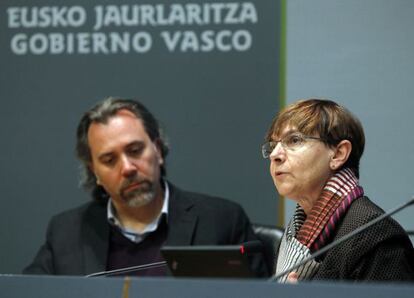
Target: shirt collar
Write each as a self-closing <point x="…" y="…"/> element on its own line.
<point x="151" y="227"/>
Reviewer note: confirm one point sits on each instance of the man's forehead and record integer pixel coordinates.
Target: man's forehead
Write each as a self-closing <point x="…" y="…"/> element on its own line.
<point x="119" y="115"/>
<point x="126" y="112"/>
<point x="122" y="127"/>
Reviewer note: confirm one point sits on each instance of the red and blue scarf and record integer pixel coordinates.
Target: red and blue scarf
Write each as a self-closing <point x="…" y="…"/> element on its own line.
<point x="336" y="197"/>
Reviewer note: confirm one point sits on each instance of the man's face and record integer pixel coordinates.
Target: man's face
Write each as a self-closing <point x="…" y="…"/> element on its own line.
<point x="125" y="160"/>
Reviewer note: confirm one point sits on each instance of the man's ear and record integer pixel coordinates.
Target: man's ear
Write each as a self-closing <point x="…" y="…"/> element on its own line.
<point x="341" y="154"/>
<point x="158" y="149"/>
<point x="90" y="167"/>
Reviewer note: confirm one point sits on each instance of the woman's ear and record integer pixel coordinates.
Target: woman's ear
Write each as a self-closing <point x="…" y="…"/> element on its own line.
<point x="341" y="154"/>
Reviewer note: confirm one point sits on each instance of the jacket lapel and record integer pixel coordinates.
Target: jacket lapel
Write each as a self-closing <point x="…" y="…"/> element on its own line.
<point x="182" y="218"/>
<point x="95" y="239"/>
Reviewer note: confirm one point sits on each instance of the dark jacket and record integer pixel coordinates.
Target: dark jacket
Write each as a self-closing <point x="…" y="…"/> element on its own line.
<point x="381" y="253"/>
<point x="77" y="240"/>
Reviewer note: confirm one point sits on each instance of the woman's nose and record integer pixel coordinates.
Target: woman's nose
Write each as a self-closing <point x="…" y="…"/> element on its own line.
<point x="278" y="154"/>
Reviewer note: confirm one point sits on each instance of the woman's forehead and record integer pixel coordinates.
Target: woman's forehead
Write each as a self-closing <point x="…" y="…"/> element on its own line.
<point x="290" y="128"/>
<point x="283" y="131"/>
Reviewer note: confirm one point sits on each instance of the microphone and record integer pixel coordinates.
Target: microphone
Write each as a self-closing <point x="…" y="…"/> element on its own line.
<point x="251" y="247"/>
<point x="344" y="238"/>
<point x="128" y="269"/>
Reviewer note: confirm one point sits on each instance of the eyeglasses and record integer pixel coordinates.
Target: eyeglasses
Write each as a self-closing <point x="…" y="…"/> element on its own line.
<point x="290" y="142"/>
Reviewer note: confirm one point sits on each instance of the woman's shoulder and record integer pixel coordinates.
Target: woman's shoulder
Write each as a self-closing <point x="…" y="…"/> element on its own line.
<point x="366" y="255"/>
<point x="361" y="212"/>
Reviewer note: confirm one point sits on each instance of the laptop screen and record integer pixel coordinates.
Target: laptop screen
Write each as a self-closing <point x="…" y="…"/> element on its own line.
<point x="230" y="261"/>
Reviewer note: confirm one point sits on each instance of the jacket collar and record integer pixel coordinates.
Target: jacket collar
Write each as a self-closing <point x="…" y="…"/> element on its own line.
<point x="95" y="238"/>
<point x="182" y="220"/>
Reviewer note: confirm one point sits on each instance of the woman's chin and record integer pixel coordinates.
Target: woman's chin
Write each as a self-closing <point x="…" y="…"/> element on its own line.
<point x="284" y="189"/>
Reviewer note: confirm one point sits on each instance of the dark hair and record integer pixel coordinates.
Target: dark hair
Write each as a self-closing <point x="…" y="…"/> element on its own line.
<point x="101" y="113"/>
<point x="327" y="119"/>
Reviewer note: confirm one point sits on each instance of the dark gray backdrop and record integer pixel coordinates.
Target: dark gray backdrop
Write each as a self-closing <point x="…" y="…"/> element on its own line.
<point x="214" y="106"/>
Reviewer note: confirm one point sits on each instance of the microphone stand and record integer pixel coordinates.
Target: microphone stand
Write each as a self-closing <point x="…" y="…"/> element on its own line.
<point x="128" y="269"/>
<point x="346" y="237"/>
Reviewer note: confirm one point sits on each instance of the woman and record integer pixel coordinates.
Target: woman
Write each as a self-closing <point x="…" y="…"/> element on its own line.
<point x="314" y="147"/>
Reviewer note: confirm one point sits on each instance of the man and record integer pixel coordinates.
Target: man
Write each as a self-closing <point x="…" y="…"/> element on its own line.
<point x="135" y="211"/>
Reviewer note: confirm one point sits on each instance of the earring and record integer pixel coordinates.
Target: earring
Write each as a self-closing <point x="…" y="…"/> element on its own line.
<point x="97" y="179"/>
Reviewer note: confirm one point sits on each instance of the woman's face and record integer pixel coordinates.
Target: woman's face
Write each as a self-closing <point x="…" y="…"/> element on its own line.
<point x="301" y="174"/>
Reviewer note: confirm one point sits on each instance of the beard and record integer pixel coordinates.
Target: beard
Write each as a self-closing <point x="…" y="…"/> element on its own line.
<point x="140" y="196"/>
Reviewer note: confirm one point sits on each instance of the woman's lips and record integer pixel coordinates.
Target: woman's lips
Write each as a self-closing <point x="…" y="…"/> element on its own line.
<point x="280" y="173"/>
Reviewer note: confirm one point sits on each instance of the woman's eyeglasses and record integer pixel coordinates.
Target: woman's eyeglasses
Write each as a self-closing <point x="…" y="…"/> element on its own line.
<point x="289" y="142"/>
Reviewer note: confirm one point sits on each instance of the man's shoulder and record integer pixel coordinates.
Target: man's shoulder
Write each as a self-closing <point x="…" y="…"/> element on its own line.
<point x="78" y="213"/>
<point x="202" y="199"/>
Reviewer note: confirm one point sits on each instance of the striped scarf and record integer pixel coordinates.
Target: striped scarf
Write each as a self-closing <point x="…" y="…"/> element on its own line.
<point x="337" y="195"/>
<point x="306" y="234"/>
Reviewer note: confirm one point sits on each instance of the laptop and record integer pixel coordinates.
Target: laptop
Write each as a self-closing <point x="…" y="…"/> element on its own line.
<point x="221" y="261"/>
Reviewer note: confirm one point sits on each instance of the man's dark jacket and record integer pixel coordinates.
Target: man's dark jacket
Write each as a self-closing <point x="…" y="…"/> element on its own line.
<point x="77" y="240"/>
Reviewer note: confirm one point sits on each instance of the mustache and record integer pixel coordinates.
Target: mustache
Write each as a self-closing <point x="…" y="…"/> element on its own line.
<point x="134" y="180"/>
